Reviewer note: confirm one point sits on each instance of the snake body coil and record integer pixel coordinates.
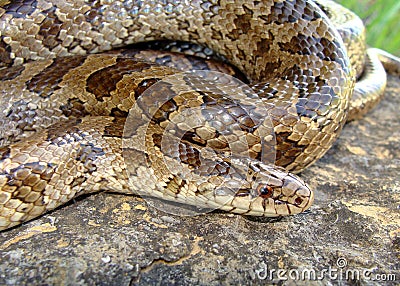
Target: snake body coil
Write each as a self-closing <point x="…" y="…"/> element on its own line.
<point x="64" y="112"/>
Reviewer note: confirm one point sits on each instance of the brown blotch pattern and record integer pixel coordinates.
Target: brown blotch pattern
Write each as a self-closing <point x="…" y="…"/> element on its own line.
<point x="5" y="54"/>
<point x="307" y="45"/>
<point x="288" y="11"/>
<point x="11" y="72"/>
<point x="189" y="155"/>
<point x="46" y="82"/>
<point x="115" y="128"/>
<point x="65" y="132"/>
<point x="175" y="184"/>
<point x="102" y="82"/>
<point x="242" y="23"/>
<point x="33" y="177"/>
<point x="50" y="29"/>
<point x="287" y="150"/>
<point x="5" y="153"/>
<point x="74" y="108"/>
<point x="144" y="85"/>
<point x="87" y="154"/>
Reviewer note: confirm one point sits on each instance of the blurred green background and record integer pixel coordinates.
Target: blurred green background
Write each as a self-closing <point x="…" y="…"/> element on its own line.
<point x="382" y="19"/>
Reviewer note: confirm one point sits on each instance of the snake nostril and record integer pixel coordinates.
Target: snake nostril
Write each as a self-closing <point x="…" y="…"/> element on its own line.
<point x="298" y="201"/>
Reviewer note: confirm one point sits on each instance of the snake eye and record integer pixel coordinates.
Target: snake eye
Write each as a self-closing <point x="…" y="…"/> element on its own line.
<point x="265" y="191"/>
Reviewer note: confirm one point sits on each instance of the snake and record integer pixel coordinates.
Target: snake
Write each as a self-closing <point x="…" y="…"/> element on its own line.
<point x="79" y="115"/>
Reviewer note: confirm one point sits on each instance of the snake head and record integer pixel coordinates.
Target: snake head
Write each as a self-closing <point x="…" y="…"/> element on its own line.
<point x="270" y="191"/>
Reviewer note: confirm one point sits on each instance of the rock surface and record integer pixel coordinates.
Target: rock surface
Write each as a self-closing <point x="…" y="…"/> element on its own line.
<point x="353" y="227"/>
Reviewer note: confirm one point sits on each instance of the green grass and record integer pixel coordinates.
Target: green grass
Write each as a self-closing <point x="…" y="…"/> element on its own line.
<point x="382" y="19"/>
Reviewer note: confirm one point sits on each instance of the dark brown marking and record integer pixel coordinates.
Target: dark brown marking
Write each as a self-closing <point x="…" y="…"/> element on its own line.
<point x="287" y="150"/>
<point x="4" y="153"/>
<point x="291" y="11"/>
<point x="50" y="29"/>
<point x="34" y="174"/>
<point x="87" y="154"/>
<point x="46" y="82"/>
<point x="157" y="139"/>
<point x="116" y="112"/>
<point x="74" y="108"/>
<point x="102" y="82"/>
<point x="11" y="72"/>
<point x="115" y="128"/>
<point x="65" y="132"/>
<point x="264" y="46"/>
<point x="175" y="185"/>
<point x="193" y="138"/>
<point x="5" y="50"/>
<point x="308" y="45"/>
<point x="78" y="181"/>
<point x="189" y="155"/>
<point x="144" y="85"/>
<point x="162" y="114"/>
<point x="242" y="23"/>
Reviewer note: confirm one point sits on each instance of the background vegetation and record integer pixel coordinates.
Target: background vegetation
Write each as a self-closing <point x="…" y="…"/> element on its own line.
<point x="382" y="19"/>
